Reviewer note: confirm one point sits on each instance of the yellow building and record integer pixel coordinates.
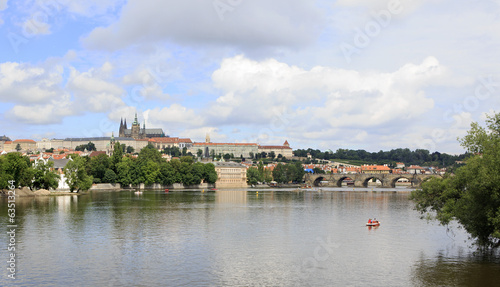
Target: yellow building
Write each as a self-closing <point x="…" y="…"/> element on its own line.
<point x="24" y="145"/>
<point x="230" y="175"/>
<point x="377" y="169"/>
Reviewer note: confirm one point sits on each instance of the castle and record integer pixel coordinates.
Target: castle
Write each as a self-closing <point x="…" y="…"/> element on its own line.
<point x="136" y="132"/>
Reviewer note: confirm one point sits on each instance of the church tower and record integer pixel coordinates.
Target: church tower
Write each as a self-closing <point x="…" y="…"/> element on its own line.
<point x="136" y="129"/>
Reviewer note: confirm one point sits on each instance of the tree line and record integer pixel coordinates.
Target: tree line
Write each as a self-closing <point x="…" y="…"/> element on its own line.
<point x="82" y="171"/>
<point x="405" y="155"/>
<point x="282" y="173"/>
<point x="14" y="166"/>
<point x="148" y="167"/>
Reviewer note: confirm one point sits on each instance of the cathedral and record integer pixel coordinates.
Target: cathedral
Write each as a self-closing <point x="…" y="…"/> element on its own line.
<point x="136" y="132"/>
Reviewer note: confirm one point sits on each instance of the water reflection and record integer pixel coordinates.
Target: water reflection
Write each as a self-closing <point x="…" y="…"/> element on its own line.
<point x="273" y="237"/>
<point x="465" y="270"/>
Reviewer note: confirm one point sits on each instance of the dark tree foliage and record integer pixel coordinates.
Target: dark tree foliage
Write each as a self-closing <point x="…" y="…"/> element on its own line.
<point x="472" y="195"/>
<point x="405" y="155"/>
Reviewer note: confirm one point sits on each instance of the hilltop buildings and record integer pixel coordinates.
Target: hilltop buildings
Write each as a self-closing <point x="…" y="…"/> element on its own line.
<point x="136" y="132"/>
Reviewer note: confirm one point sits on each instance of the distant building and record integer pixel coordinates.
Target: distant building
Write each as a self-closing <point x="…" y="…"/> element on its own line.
<point x="136" y="132"/>
<point x="400" y="165"/>
<point x="375" y="169"/>
<point x="24" y="145"/>
<point x="170" y="142"/>
<point x="236" y="149"/>
<point x="230" y="175"/>
<point x="415" y="169"/>
<point x="284" y="150"/>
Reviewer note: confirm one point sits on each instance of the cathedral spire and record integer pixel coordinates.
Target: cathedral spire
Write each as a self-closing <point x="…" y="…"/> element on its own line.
<point x="135" y="120"/>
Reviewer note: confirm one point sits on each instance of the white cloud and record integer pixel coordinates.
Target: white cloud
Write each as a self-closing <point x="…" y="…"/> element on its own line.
<point x="95" y="90"/>
<point x="284" y="97"/>
<point x="175" y="115"/>
<point x="28" y="84"/>
<point x="3" y="5"/>
<point x="40" y="114"/>
<point x="256" y="23"/>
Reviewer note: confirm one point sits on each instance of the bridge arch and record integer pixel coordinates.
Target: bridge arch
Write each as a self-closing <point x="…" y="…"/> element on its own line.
<point x="371" y="177"/>
<point x="318" y="180"/>
<point x="395" y="180"/>
<point x="340" y="180"/>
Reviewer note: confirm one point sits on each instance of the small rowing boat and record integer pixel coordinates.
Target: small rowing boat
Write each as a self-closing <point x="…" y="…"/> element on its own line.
<point x="373" y="223"/>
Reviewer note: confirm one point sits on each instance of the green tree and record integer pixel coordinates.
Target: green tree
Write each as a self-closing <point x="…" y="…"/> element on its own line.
<point x="151" y="172"/>
<point x="253" y="176"/>
<point x="117" y="155"/>
<point x="280" y="174"/>
<point x="18" y="147"/>
<point x="199" y="152"/>
<point x="227" y="157"/>
<point x="16" y="167"/>
<point x="76" y="175"/>
<point x="130" y="149"/>
<point x="299" y="172"/>
<point x="472" y="195"/>
<point x="109" y="176"/>
<point x="44" y="177"/>
<point x="210" y="175"/>
<point x="98" y="166"/>
<point x="123" y="168"/>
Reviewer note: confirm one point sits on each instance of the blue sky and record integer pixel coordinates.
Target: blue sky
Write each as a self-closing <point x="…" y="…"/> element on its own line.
<point x="372" y="75"/>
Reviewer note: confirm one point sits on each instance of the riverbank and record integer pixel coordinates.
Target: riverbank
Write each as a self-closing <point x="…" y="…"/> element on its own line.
<point x="26" y="192"/>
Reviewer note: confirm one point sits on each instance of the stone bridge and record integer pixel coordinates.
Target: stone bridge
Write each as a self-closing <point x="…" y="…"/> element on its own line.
<point x="362" y="179"/>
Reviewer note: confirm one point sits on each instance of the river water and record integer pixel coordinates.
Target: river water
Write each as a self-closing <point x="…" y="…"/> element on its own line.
<point x="273" y="237"/>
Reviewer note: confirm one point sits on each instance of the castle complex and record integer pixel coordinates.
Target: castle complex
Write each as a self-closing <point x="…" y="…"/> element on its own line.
<point x="137" y="133"/>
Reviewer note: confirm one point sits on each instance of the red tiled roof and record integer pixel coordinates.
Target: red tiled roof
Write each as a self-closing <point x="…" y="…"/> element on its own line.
<point x="375" y="167"/>
<point x="274" y="147"/>
<point x="96" y="153"/>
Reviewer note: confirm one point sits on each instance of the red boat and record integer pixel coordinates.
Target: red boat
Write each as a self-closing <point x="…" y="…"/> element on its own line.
<point x="373" y="223"/>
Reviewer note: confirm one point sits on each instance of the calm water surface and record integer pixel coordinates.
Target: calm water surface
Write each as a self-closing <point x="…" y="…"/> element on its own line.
<point x="238" y="238"/>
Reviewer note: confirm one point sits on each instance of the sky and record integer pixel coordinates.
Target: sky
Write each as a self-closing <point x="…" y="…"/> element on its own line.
<point x="352" y="74"/>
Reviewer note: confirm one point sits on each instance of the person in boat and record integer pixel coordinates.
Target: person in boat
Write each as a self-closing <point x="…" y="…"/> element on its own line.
<point x="375" y="220"/>
<point x="370" y="220"/>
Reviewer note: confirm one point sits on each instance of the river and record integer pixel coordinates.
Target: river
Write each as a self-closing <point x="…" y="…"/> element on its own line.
<point x="270" y="237"/>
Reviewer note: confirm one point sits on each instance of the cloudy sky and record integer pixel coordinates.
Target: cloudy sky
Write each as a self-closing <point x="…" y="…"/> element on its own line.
<point x="374" y="75"/>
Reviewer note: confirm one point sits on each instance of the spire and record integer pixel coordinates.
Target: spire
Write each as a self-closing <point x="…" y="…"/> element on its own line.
<point x="125" y="124"/>
<point x="207" y="138"/>
<point x="144" y="128"/>
<point x="135" y="120"/>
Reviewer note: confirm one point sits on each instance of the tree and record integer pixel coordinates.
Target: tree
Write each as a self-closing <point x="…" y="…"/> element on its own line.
<point x="199" y="152"/>
<point x="227" y="157"/>
<point x="253" y="176"/>
<point x="18" y="147"/>
<point x="76" y="175"/>
<point x="43" y="177"/>
<point x="130" y="149"/>
<point x="98" y="166"/>
<point x="109" y="176"/>
<point x="279" y="174"/>
<point x="117" y="155"/>
<point x="472" y="195"/>
<point x="18" y="168"/>
<point x="210" y="175"/>
<point x="123" y="168"/>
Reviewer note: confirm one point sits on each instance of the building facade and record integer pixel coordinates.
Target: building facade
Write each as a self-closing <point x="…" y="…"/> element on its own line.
<point x="284" y="150"/>
<point x="168" y="142"/>
<point x="230" y="175"/>
<point x="236" y="149"/>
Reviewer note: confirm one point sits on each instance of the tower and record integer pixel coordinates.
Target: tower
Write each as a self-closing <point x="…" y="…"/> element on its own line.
<point x="207" y="138"/>
<point x="136" y="129"/>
